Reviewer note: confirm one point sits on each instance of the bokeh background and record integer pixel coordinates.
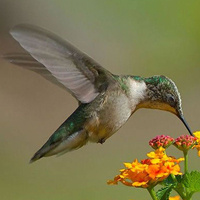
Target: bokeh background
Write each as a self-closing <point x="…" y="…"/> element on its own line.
<point x="125" y="36"/>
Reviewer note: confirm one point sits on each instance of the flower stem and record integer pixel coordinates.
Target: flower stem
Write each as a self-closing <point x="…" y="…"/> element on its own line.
<point x="186" y="162"/>
<point x="190" y="196"/>
<point x="174" y="178"/>
<point x="182" y="195"/>
<point x="152" y="193"/>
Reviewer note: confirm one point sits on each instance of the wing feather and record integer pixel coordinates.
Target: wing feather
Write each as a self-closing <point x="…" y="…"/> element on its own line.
<point x="59" y="61"/>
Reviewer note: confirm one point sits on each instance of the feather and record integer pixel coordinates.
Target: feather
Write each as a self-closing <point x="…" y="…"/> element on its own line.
<point x="58" y="61"/>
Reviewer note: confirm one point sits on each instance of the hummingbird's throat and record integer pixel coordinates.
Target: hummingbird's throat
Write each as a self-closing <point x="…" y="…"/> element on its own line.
<point x="157" y="105"/>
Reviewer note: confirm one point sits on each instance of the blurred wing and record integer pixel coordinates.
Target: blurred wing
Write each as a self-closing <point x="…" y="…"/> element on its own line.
<point x="60" y="62"/>
<point x="28" y="62"/>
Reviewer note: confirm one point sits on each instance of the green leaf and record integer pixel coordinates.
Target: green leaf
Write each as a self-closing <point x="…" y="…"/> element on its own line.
<point x="179" y="178"/>
<point x="192" y="181"/>
<point x="163" y="193"/>
<point x="168" y="181"/>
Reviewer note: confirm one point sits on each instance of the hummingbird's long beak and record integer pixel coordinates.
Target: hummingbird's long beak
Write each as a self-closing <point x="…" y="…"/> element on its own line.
<point x="186" y="124"/>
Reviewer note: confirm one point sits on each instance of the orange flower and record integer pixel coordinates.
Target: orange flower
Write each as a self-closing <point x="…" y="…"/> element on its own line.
<point x="149" y="171"/>
<point x="153" y="171"/>
<point x="174" y="198"/>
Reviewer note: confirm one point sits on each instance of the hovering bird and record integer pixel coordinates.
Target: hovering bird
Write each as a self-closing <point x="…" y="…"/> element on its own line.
<point x="106" y="101"/>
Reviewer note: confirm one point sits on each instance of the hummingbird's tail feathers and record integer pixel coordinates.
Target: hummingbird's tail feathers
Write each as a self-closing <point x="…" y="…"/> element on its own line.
<point x="36" y="156"/>
<point x="65" y="144"/>
<point x="52" y="142"/>
<point x="72" y="142"/>
<point x="69" y="136"/>
<point x="43" y="151"/>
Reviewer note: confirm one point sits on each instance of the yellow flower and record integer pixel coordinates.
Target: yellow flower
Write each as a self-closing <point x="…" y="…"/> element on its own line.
<point x="174" y="198"/>
<point x="197" y="135"/>
<point x="149" y="171"/>
<point x="198" y="149"/>
<point x="158" y="153"/>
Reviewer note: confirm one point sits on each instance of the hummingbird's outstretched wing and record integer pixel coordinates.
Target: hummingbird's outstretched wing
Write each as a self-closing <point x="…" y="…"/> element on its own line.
<point x="26" y="61"/>
<point x="60" y="62"/>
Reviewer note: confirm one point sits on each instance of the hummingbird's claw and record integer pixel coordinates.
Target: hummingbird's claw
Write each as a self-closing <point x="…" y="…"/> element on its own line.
<point x="102" y="140"/>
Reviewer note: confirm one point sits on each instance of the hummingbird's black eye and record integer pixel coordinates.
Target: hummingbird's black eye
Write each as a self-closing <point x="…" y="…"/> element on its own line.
<point x="171" y="100"/>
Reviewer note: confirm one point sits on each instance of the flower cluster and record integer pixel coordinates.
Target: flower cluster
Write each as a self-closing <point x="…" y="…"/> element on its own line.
<point x="161" y="141"/>
<point x="149" y="171"/>
<point x="158" y="166"/>
<point x="185" y="142"/>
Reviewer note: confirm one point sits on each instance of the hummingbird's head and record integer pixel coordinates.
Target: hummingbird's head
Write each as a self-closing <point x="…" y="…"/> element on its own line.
<point x="163" y="94"/>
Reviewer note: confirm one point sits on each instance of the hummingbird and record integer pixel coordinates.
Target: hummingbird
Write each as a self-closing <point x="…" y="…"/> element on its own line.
<point x="106" y="101"/>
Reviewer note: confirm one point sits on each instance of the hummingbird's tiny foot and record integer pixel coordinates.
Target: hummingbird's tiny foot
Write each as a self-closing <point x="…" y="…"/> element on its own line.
<point x="102" y="140"/>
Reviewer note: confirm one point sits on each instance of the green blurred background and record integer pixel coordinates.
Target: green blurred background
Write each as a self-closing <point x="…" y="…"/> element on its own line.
<point x="138" y="37"/>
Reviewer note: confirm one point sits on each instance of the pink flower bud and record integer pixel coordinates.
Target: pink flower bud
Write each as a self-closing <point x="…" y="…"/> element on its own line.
<point x="185" y="142"/>
<point x="161" y="141"/>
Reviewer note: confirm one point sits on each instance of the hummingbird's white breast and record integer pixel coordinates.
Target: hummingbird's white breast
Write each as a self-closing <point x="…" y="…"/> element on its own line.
<point x="116" y="110"/>
<point x="137" y="92"/>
